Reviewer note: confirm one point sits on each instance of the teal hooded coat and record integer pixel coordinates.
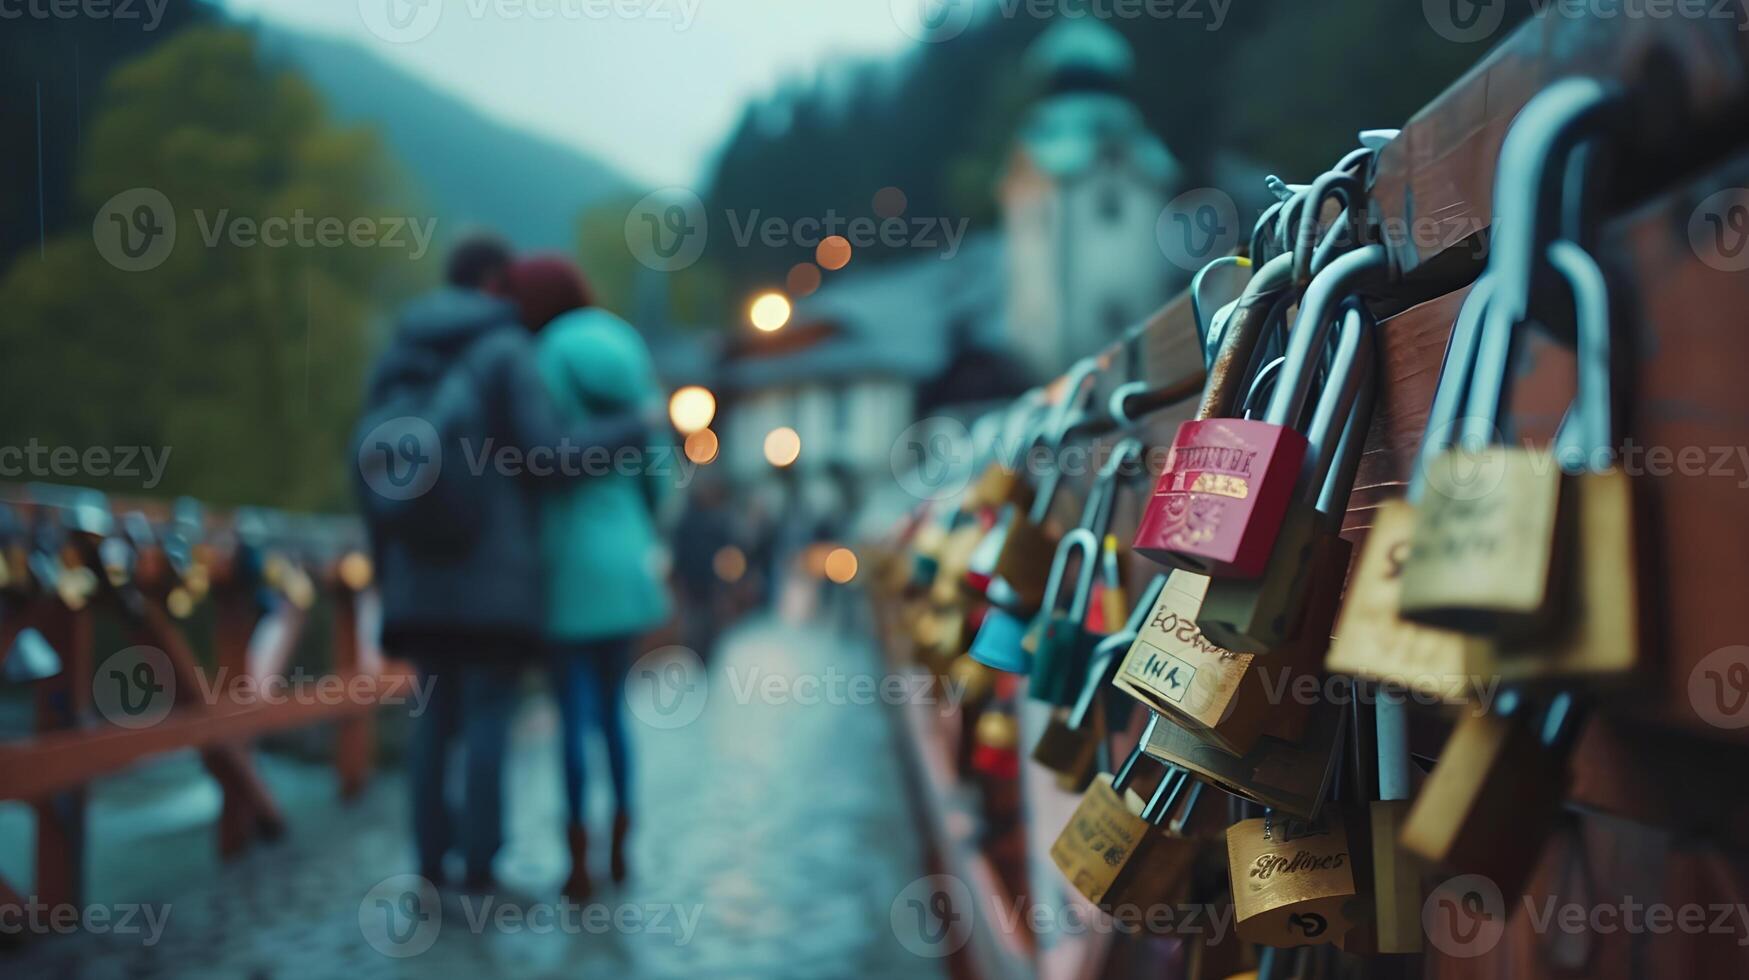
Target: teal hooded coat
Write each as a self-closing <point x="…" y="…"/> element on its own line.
<point x="599" y="548"/>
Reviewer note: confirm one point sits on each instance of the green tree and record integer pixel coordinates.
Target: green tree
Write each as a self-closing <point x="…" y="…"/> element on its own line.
<point x="245" y="362"/>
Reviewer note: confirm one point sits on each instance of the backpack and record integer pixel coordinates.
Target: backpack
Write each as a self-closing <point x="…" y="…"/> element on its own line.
<point x="415" y="486"/>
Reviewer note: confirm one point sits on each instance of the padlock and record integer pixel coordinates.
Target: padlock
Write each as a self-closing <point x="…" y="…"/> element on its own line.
<point x="1031" y="542"/>
<point x="1072" y="738"/>
<point x="1373" y="640"/>
<point x="1063" y="641"/>
<point x="1492" y="800"/>
<point x="1603" y="636"/>
<point x="1220" y="503"/>
<point x="1184" y="512"/>
<point x="1293" y="776"/>
<point x="955" y="558"/>
<point x="1293" y="881"/>
<point x="1396" y="873"/>
<point x="1497" y="521"/>
<point x="997" y="644"/>
<point x="1258" y="615"/>
<point x="1115" y="851"/>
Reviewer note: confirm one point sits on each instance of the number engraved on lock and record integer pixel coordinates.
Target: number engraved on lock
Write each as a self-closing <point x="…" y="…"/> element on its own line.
<point x="1161" y="672"/>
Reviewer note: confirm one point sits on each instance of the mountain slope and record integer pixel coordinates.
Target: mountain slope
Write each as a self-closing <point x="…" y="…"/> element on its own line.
<point x="470" y="168"/>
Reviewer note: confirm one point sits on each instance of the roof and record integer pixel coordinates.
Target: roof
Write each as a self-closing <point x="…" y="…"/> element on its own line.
<point x="906" y="320"/>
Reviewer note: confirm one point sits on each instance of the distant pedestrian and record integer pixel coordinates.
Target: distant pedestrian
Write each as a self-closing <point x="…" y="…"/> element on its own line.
<point x="455" y="547"/>
<point x="602" y="557"/>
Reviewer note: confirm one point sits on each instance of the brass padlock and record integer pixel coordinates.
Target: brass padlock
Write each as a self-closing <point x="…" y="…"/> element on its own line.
<point x="1258" y="615"/>
<point x="1114" y="850"/>
<point x="1496" y="522"/>
<point x="1604" y="636"/>
<point x="1490" y="803"/>
<point x="1293" y="776"/>
<point x="1373" y="640"/>
<point x="1293" y="881"/>
<point x="1226" y="699"/>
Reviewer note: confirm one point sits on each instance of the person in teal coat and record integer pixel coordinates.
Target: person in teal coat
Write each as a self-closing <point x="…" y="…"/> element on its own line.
<point x="600" y="551"/>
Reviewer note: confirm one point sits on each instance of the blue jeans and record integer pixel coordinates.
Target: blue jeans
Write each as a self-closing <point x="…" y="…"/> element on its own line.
<point x="473" y="701"/>
<point x="589" y="680"/>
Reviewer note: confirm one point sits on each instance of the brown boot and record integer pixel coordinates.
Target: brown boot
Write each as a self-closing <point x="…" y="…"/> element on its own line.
<point x="577" y="887"/>
<point x="622" y="825"/>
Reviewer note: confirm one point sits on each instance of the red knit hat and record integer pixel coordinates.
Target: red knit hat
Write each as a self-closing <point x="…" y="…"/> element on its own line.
<point x="543" y="287"/>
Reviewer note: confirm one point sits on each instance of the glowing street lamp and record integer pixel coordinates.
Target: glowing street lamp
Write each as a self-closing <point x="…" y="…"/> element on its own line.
<point x="782" y="447"/>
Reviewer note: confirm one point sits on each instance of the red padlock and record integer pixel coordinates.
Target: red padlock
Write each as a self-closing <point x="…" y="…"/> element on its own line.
<point x="1219" y="504"/>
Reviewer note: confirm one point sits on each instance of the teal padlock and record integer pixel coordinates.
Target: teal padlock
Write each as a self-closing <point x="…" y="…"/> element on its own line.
<point x="1064" y="644"/>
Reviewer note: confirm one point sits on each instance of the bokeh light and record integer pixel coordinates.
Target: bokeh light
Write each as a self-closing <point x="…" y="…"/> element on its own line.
<point x="782" y="446"/>
<point x="841" y="565"/>
<point x="692" y="408"/>
<point x="803" y="279"/>
<point x="702" y="447"/>
<point x="730" y="563"/>
<point x="769" y="312"/>
<point x="833" y="253"/>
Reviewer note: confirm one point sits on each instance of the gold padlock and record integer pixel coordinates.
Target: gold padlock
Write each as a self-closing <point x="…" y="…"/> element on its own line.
<point x="1291" y="776"/>
<point x="1491" y="802"/>
<point x="1293" y="883"/>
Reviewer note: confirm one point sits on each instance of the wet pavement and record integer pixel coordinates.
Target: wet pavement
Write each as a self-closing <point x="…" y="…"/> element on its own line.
<point x="771" y="839"/>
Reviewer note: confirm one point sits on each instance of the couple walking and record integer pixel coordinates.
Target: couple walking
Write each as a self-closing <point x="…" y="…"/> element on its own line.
<point x="489" y="571"/>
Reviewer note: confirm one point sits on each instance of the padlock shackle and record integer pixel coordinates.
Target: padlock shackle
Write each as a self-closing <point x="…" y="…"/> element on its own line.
<point x="1165" y="795"/>
<point x="1061" y="415"/>
<point x="1121" y="780"/>
<point x="1193" y="797"/>
<point x="1332" y="183"/>
<point x="1351" y="371"/>
<point x="1318" y="311"/>
<point x="1239" y="339"/>
<point x="1339" y="481"/>
<point x="1594" y="396"/>
<point x="1199" y="309"/>
<point x="1082" y="540"/>
<point x="1391" y="725"/>
<point x="1452" y="390"/>
<point x="1528" y="205"/>
<point x="1102" y="666"/>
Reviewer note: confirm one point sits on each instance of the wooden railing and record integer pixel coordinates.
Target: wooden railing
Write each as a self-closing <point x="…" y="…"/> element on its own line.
<point x="74" y="556"/>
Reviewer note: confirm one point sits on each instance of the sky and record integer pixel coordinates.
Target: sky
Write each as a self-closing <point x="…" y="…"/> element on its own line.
<point x="652" y="87"/>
